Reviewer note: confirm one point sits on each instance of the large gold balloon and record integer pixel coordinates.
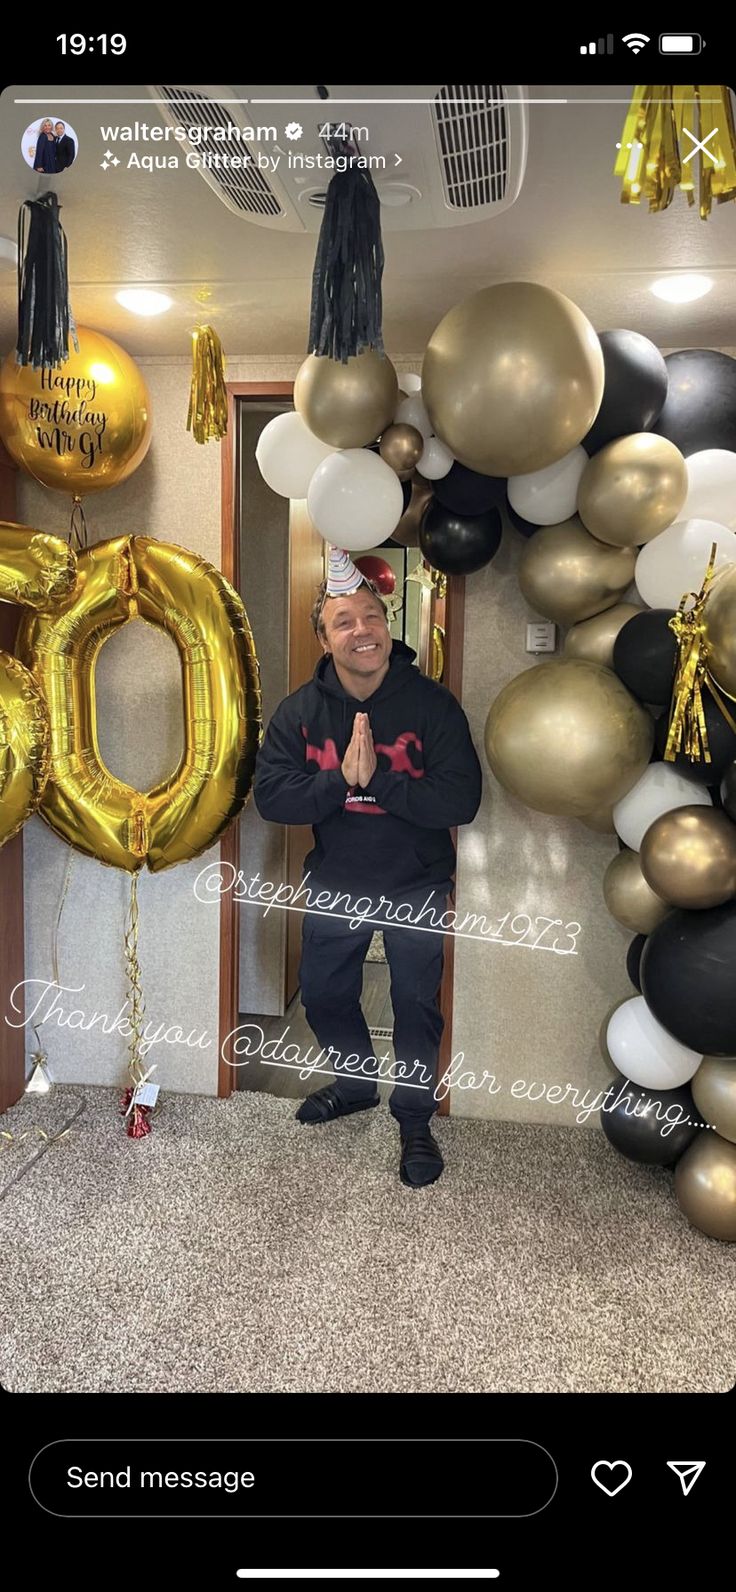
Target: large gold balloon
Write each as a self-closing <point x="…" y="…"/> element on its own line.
<point x="412" y="519"/>
<point x="83" y="427"/>
<point x="720" y="629"/>
<point x="594" y="638"/>
<point x="601" y="821"/>
<point x="705" y="1185"/>
<point x="633" y="489"/>
<point x="126" y="578"/>
<point x="714" y="1093"/>
<point x="567" y="575"/>
<point x="36" y="570"/>
<point x="347" y="405"/>
<point x="567" y="737"/>
<point x="402" y="447"/>
<point x="688" y="856"/>
<point x="513" y="378"/>
<point x="24" y="746"/>
<point x="630" y="900"/>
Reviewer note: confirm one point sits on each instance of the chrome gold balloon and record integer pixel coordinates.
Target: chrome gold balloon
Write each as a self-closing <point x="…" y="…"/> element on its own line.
<point x="347" y="405"/>
<point x="720" y="629"/>
<point x="714" y="1093"/>
<point x="126" y="578"/>
<point x="513" y="378"/>
<point x="565" y="574"/>
<point x="628" y="896"/>
<point x="568" y="738"/>
<point x="601" y="821"/>
<point x="689" y="857"/>
<point x="83" y="427"/>
<point x="633" y="489"/>
<point x="410" y="524"/>
<point x="705" y="1185"/>
<point x="594" y="638"/>
<point x="401" y="447"/>
<point x="24" y="746"/>
<point x="35" y="570"/>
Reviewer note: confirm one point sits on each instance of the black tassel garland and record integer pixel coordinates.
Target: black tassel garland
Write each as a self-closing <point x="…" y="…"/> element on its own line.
<point x="44" y="314"/>
<point x="347" y="309"/>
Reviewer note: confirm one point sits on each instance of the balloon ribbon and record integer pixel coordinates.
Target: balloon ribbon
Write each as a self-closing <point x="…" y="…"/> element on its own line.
<point x="662" y="148"/>
<point x="687" y="728"/>
<point x="136" y="1116"/>
<point x="207" y="418"/>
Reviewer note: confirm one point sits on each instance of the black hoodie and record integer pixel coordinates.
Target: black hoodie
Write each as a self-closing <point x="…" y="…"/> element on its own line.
<point x="396" y="831"/>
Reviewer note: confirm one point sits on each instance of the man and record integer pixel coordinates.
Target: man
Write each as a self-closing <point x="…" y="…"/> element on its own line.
<point x="65" y="148"/>
<point x="380" y="761"/>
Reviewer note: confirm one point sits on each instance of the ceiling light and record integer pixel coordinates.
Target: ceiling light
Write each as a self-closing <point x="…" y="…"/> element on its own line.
<point x="681" y="289"/>
<point x="143" y="301"/>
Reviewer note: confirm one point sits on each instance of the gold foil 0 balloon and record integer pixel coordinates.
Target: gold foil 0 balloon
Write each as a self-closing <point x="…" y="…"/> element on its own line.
<point x="347" y="405"/>
<point x="633" y="489"/>
<point x="35" y="570"/>
<point x="594" y="638"/>
<point x="705" y="1185"/>
<point x="720" y="629"/>
<point x="513" y="378"/>
<point x="565" y="574"/>
<point x="24" y="746"/>
<point x="568" y="738"/>
<point x="714" y="1093"/>
<point x="628" y="896"/>
<point x="402" y="447"/>
<point x="689" y="857"/>
<point x="126" y="578"/>
<point x="83" y="427"/>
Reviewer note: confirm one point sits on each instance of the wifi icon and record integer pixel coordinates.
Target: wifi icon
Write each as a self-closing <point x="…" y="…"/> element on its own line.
<point x="635" y="41"/>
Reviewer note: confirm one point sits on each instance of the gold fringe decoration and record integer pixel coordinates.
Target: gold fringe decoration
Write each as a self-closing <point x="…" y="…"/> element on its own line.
<point x="136" y="1115"/>
<point x="207" y="418"/>
<point x="687" y="728"/>
<point x="657" y="154"/>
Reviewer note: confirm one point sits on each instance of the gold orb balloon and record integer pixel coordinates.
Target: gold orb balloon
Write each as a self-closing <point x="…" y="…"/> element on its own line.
<point x="705" y="1185"/>
<point x="402" y="447"/>
<point x="567" y="575"/>
<point x="594" y="638"/>
<point x="688" y="856"/>
<point x="628" y="896"/>
<point x="513" y="378"/>
<point x="601" y="821"/>
<point x="633" y="489"/>
<point x="83" y="427"/>
<point x="720" y="629"/>
<point x="347" y="405"/>
<point x="714" y="1093"/>
<point x="567" y="737"/>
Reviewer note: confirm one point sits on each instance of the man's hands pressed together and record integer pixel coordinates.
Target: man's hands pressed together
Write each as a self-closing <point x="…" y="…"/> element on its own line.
<point x="360" y="762"/>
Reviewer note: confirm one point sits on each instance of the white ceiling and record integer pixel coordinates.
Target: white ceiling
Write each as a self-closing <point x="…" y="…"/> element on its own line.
<point x="169" y="230"/>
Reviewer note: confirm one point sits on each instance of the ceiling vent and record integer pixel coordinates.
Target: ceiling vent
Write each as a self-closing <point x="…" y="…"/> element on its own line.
<point x="440" y="156"/>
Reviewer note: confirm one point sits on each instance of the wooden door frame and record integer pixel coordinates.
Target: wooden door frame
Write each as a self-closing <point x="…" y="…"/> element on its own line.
<point x="255" y="391"/>
<point x="12" y="954"/>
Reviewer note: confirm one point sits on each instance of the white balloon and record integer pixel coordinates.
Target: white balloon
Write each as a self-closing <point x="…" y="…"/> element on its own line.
<point x="411" y="412"/>
<point x="659" y="790"/>
<point x="711" y="493"/>
<point x="675" y="562"/>
<point x="644" y="1052"/>
<point x="546" y="497"/>
<point x="355" y="499"/>
<point x="436" y="460"/>
<point x="287" y="455"/>
<point x="409" y="382"/>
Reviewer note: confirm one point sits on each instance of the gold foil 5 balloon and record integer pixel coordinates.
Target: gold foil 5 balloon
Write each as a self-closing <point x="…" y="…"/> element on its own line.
<point x="83" y="427"/>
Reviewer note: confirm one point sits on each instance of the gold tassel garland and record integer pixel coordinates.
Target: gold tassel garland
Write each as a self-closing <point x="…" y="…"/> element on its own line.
<point x="687" y="727"/>
<point x="657" y="155"/>
<point x="207" y="418"/>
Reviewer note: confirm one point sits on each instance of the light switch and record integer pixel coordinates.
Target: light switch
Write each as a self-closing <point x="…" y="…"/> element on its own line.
<point x="541" y="636"/>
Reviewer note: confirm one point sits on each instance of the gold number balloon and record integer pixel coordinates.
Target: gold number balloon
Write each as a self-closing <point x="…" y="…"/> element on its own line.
<point x="35" y="570"/>
<point x="126" y="578"/>
<point x="83" y="427"/>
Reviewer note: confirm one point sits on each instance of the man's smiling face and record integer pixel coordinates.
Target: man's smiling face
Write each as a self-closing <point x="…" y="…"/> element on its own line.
<point x="357" y="635"/>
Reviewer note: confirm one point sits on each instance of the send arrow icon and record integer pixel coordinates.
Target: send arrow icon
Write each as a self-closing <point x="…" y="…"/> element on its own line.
<point x="688" y="1471"/>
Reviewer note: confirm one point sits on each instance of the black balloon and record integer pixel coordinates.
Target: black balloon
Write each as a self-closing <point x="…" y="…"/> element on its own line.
<point x="635" y="388"/>
<point x="728" y="792"/>
<point x="465" y="491"/>
<point x="653" y="1126"/>
<point x="525" y="526"/>
<point x="459" y="544"/>
<point x="633" y="960"/>
<point x="644" y="655"/>
<point x="688" y="978"/>
<point x="721" y="745"/>
<point x="700" y="407"/>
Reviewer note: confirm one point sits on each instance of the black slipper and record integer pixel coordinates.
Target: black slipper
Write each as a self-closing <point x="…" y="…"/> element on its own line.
<point x="421" y="1157"/>
<point x="327" y="1104"/>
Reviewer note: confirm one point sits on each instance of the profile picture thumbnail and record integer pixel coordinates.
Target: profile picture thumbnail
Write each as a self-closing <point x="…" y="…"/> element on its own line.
<point x="49" y="145"/>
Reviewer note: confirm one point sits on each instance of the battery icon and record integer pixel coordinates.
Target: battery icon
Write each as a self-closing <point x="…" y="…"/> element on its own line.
<point x="680" y="43"/>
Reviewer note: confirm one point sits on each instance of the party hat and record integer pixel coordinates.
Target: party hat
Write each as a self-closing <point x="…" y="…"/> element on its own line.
<point x="342" y="576"/>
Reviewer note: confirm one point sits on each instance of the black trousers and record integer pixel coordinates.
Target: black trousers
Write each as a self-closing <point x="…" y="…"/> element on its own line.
<point x="331" y="979"/>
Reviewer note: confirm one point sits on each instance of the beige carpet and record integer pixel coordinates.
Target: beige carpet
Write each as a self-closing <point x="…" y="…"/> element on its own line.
<point x="235" y="1250"/>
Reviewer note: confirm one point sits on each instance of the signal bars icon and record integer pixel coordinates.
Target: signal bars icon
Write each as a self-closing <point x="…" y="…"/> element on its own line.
<point x="602" y="47"/>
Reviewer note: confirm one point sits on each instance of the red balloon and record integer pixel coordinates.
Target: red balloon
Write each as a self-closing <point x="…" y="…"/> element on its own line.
<point x="377" y="570"/>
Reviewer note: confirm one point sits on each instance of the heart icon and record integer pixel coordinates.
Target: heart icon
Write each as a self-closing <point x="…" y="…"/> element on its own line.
<point x="610" y="1465"/>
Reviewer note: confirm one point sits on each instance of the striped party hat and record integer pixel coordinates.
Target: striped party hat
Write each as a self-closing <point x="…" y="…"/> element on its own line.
<point x="342" y="576"/>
